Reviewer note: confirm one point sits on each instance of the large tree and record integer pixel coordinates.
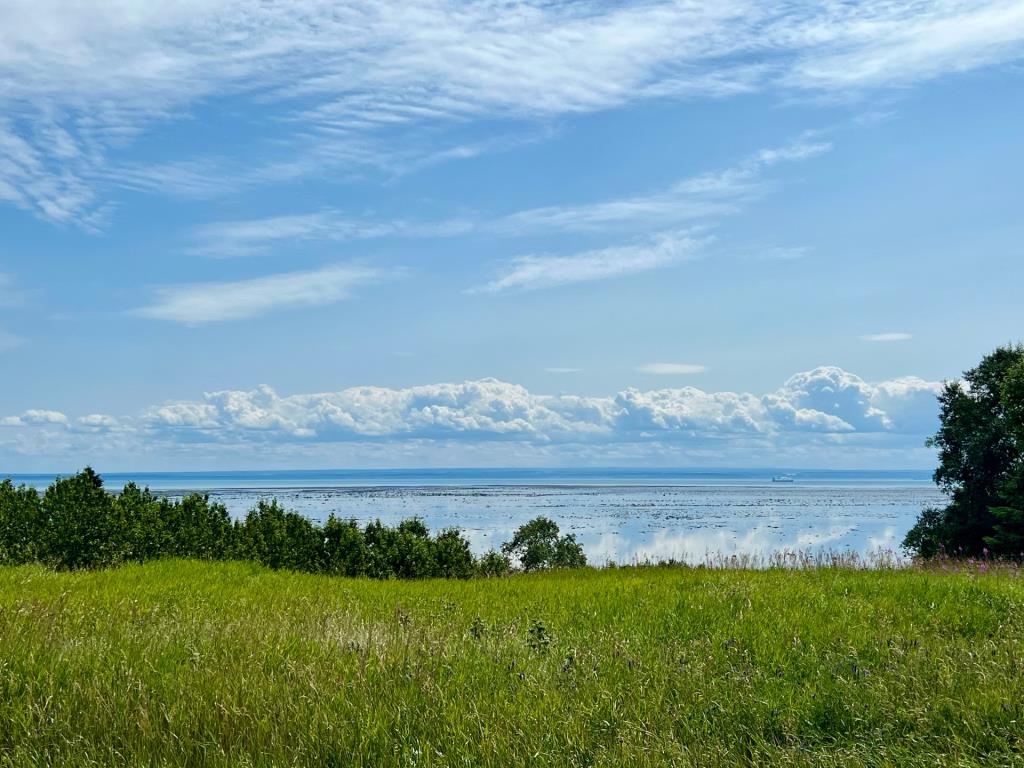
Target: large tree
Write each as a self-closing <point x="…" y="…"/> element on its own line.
<point x="981" y="463"/>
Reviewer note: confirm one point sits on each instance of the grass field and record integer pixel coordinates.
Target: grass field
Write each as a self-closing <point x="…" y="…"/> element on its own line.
<point x="184" y="663"/>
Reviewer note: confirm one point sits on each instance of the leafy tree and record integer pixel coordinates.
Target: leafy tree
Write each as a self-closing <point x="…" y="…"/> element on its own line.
<point x="82" y="526"/>
<point x="20" y="524"/>
<point x="277" y="538"/>
<point x="981" y="463"/>
<point x="345" y="551"/>
<point x="145" y="518"/>
<point x="77" y="523"/>
<point x="452" y="555"/>
<point x="494" y="563"/>
<point x="538" y="546"/>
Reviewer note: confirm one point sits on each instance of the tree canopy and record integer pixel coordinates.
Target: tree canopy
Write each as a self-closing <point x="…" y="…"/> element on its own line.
<point x="538" y="546"/>
<point x="77" y="523"/>
<point x="980" y="445"/>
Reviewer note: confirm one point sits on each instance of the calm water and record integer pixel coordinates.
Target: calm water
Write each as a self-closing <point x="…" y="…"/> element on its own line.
<point x="616" y="514"/>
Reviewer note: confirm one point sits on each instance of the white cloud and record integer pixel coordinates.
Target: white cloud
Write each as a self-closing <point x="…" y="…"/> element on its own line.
<point x="562" y="370"/>
<point x="243" y="238"/>
<point x="671" y="369"/>
<point x="349" y="80"/>
<point x="826" y="412"/>
<point x="825" y="400"/>
<point x="35" y="417"/>
<point x="218" y="301"/>
<point x="543" y="271"/>
<point x="909" y="404"/>
<point x="882" y="337"/>
<point x="98" y="421"/>
<point x="885" y="45"/>
<point x="706" y="196"/>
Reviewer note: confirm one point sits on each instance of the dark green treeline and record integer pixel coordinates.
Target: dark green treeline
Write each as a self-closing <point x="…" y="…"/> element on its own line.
<point x="76" y="523"/>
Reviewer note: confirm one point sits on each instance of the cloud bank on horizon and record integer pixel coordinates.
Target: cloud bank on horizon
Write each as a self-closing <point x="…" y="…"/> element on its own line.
<point x="828" y="403"/>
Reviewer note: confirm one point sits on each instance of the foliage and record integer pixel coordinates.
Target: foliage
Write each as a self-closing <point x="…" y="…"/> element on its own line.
<point x="78" y="524"/>
<point x="81" y="525"/>
<point x="214" y="665"/>
<point x="20" y="524"/>
<point x="538" y="546"/>
<point x="981" y="463"/>
<point x="493" y="563"/>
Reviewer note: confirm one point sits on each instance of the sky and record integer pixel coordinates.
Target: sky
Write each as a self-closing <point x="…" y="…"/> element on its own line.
<point x="401" y="234"/>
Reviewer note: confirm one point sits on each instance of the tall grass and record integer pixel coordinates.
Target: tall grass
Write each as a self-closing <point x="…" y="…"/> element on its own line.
<point x="229" y="664"/>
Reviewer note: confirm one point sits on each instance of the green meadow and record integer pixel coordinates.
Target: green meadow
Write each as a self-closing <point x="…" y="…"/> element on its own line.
<point x="181" y="663"/>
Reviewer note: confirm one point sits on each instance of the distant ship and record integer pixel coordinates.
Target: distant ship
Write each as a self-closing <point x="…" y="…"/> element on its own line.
<point x="783" y="479"/>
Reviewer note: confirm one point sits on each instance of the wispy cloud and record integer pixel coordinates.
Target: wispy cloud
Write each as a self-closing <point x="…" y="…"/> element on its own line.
<point x="201" y="303"/>
<point x="671" y="369"/>
<point x="337" y="84"/>
<point x="542" y="271"/>
<point x="706" y="196"/>
<point x="563" y="370"/>
<point x="247" y="237"/>
<point x="882" y="337"/>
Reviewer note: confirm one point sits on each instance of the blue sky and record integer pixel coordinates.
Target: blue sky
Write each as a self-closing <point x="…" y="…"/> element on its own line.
<point x="316" y="234"/>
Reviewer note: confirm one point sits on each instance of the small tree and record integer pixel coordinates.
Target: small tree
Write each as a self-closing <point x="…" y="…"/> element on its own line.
<point x="452" y="555"/>
<point x="345" y="552"/>
<point x="981" y="463"/>
<point x="537" y="546"/>
<point x="20" y="524"/>
<point x="494" y="563"/>
<point x="82" y="526"/>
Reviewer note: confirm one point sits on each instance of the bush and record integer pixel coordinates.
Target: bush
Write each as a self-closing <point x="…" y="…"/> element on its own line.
<point x="279" y="539"/>
<point x="494" y="563"/>
<point x="82" y="526"/>
<point x="79" y="524"/>
<point x="538" y="546"/>
<point x="345" y="551"/>
<point x="20" y="524"/>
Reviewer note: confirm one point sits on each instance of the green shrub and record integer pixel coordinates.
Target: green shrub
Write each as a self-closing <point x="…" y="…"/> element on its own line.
<point x="79" y="524"/>
<point x="538" y="546"/>
<point x="20" y="524"/>
<point x="82" y="526"/>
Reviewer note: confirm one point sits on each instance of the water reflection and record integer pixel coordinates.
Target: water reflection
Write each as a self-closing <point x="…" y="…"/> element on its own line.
<point x="631" y="523"/>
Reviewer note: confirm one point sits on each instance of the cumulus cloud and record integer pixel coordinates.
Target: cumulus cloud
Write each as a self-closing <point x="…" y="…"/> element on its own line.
<point x="825" y="411"/>
<point x="98" y="421"/>
<point x="201" y="303"/>
<point x="35" y="417"/>
<point x="825" y="400"/>
<point x="909" y="404"/>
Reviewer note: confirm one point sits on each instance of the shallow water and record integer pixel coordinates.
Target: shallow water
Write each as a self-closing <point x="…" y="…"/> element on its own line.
<point x="620" y="515"/>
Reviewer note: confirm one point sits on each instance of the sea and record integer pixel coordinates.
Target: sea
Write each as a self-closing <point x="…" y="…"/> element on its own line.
<point x="618" y="515"/>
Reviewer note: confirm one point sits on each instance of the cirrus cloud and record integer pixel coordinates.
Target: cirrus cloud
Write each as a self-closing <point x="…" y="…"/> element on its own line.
<point x="201" y="303"/>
